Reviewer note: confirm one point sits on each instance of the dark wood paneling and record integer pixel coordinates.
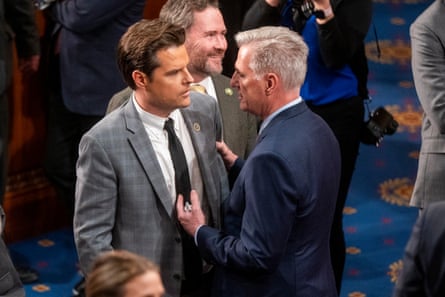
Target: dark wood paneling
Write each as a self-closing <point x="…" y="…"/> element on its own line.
<point x="152" y="8"/>
<point x="31" y="207"/>
<point x="30" y="201"/>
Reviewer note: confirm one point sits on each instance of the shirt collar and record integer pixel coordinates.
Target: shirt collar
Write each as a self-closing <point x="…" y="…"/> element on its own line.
<point x="153" y="120"/>
<point x="267" y="120"/>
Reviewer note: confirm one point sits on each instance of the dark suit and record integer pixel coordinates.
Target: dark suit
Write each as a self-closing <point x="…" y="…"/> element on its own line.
<point x="423" y="272"/>
<point x="17" y="23"/>
<point x="233" y="12"/>
<point x="278" y="216"/>
<point x="122" y="199"/>
<point x="10" y="285"/>
<point x="239" y="127"/>
<point x="89" y="33"/>
<point x="337" y="44"/>
<point x="83" y="75"/>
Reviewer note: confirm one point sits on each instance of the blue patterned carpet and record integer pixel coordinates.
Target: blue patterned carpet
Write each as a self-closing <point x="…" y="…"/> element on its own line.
<point x="377" y="218"/>
<point x="54" y="256"/>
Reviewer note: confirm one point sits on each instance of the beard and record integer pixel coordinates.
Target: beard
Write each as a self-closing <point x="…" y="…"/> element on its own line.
<point x="205" y="63"/>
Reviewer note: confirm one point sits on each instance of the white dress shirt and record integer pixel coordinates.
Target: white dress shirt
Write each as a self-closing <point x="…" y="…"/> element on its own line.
<point x="154" y="126"/>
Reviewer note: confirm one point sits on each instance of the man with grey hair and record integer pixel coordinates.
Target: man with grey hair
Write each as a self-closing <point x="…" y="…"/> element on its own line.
<point x="206" y="45"/>
<point x="277" y="219"/>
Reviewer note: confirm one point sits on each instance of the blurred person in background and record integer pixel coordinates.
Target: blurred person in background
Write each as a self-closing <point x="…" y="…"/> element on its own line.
<point x="124" y="274"/>
<point x="82" y="75"/>
<point x="423" y="271"/>
<point x="17" y="25"/>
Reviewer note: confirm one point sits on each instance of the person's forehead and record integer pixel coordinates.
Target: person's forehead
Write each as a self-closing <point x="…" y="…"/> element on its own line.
<point x="209" y="19"/>
<point x="147" y="284"/>
<point x="175" y="56"/>
<point x="245" y="53"/>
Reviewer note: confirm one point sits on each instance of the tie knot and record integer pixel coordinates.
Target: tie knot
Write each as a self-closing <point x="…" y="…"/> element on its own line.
<point x="169" y="124"/>
<point x="198" y="88"/>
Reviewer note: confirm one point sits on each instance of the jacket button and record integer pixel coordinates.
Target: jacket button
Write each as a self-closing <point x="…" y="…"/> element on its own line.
<point x="177" y="277"/>
<point x="178" y="239"/>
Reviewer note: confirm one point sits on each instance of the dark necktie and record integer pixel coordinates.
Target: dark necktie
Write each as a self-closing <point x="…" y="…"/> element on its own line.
<point x="191" y="257"/>
<point x="182" y="178"/>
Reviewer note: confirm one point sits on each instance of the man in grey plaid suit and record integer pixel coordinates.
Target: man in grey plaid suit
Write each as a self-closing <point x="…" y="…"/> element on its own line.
<point x="125" y="191"/>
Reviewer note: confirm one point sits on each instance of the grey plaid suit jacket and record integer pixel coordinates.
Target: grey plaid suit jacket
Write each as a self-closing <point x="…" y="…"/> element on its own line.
<point x="122" y="201"/>
<point x="10" y="285"/>
<point x="428" y="65"/>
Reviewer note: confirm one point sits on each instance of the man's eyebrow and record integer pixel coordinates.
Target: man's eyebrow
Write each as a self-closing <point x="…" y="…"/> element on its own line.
<point x="173" y="71"/>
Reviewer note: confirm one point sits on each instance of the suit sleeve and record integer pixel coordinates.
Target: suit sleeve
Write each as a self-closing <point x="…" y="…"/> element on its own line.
<point x="428" y="66"/>
<point x="252" y="133"/>
<point x="261" y="14"/>
<point x="10" y="284"/>
<point x="20" y="15"/>
<point x="2" y="220"/>
<point x="234" y="171"/>
<point x="87" y="15"/>
<point x="341" y="37"/>
<point x="259" y="247"/>
<point x="96" y="199"/>
<point x="411" y="278"/>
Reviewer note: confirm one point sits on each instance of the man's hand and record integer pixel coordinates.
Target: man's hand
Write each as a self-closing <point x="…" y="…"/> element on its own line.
<point x="190" y="217"/>
<point x="226" y="153"/>
<point x="324" y="5"/>
<point x="29" y="65"/>
<point x="273" y="3"/>
<point x="321" y="4"/>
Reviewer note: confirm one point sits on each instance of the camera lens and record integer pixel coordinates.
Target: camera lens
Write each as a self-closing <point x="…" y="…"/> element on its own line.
<point x="392" y="127"/>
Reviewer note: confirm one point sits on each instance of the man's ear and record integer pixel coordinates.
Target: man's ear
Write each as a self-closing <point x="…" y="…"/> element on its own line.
<point x="271" y="80"/>
<point x="140" y="79"/>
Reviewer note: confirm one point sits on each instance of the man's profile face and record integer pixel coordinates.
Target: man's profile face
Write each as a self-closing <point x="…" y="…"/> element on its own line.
<point x="250" y="87"/>
<point x="206" y="42"/>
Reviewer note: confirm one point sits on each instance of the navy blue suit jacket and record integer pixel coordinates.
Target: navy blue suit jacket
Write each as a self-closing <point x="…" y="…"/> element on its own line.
<point x="277" y="219"/>
<point x="89" y="33"/>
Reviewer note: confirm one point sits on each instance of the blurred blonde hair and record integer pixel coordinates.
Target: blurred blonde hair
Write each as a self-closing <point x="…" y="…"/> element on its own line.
<point x="113" y="270"/>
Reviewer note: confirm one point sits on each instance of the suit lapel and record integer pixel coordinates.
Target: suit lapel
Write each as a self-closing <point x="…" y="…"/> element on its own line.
<point x="229" y="109"/>
<point x="222" y="103"/>
<point x="194" y="123"/>
<point x="142" y="147"/>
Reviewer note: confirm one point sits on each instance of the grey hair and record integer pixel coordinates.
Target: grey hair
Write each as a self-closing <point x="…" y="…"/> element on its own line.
<point x="278" y="50"/>
<point x="180" y="12"/>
